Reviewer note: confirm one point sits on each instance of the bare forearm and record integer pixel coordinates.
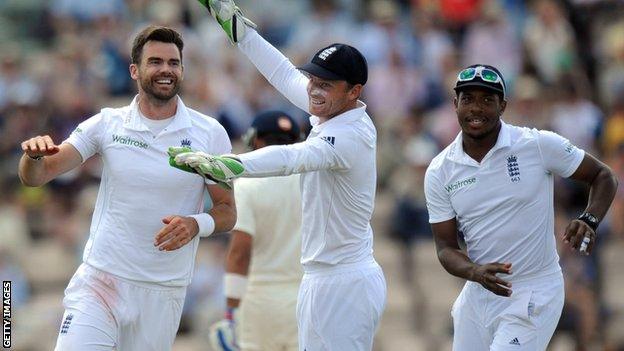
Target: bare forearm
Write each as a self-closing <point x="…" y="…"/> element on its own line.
<point x="224" y="216"/>
<point x="601" y="193"/>
<point x="457" y="263"/>
<point x="32" y="172"/>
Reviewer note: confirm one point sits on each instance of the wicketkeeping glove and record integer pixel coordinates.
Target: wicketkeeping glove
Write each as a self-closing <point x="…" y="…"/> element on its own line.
<point x="219" y="169"/>
<point x="173" y="151"/>
<point x="229" y="17"/>
<point x="222" y="168"/>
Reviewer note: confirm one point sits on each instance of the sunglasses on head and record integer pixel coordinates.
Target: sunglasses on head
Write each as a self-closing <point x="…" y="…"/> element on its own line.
<point x="486" y="74"/>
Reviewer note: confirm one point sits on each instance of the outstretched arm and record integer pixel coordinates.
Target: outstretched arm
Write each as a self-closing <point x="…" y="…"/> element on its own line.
<point x="275" y="160"/>
<point x="273" y="65"/>
<point x="43" y="160"/>
<point x="277" y="69"/>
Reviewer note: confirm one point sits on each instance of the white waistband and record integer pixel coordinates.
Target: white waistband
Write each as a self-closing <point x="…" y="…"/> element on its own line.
<point x="324" y="269"/>
<point x="101" y="274"/>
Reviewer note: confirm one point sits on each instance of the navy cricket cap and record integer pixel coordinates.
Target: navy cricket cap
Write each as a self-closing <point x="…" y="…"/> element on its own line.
<point x="276" y="123"/>
<point x="484" y="76"/>
<point x="338" y="62"/>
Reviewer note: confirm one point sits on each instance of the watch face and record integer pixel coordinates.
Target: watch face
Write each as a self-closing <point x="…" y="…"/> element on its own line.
<point x="590" y="218"/>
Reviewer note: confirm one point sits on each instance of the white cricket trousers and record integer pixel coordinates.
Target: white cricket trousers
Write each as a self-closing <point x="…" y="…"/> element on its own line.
<point x="338" y="309"/>
<point x="525" y="321"/>
<point x="267" y="319"/>
<point x="104" y="312"/>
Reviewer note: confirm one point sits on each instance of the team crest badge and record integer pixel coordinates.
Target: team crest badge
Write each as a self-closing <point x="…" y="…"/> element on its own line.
<point x="513" y="169"/>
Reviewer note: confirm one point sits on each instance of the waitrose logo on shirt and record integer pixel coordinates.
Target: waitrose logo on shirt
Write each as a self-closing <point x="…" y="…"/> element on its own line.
<point x="126" y="140"/>
<point x="460" y="184"/>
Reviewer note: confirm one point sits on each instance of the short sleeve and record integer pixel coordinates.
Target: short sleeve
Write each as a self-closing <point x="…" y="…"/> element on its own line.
<point x="219" y="144"/>
<point x="559" y="155"/>
<point x="438" y="200"/>
<point x="87" y="137"/>
<point x="243" y="195"/>
<point x="222" y="141"/>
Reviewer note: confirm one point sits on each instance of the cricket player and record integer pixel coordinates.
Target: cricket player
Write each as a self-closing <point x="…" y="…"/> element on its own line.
<point x="262" y="266"/>
<point x="494" y="184"/>
<point x="128" y="293"/>
<point x="343" y="290"/>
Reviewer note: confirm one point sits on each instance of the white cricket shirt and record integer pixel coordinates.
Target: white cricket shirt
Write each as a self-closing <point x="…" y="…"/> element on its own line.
<point x="139" y="188"/>
<point x="337" y="163"/>
<point x="269" y="209"/>
<point x="504" y="205"/>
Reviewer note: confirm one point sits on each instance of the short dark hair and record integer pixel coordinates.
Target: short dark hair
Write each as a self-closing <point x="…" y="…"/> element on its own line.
<point x="155" y="33"/>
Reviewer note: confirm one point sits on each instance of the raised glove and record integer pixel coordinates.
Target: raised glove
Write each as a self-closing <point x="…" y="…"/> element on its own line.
<point x="222" y="334"/>
<point x="229" y="17"/>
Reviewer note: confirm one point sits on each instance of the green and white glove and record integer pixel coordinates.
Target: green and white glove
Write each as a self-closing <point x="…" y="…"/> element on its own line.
<point x="221" y="169"/>
<point x="229" y="17"/>
<point x="173" y="151"/>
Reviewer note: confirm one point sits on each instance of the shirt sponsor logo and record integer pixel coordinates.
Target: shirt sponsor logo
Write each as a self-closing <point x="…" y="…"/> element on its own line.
<point x="460" y="184"/>
<point x="126" y="140"/>
<point x="186" y="142"/>
<point x="513" y="169"/>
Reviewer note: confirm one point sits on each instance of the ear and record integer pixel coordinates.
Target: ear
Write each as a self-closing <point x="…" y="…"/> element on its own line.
<point x="503" y="106"/>
<point x="355" y="92"/>
<point x="455" y="102"/>
<point x="134" y="71"/>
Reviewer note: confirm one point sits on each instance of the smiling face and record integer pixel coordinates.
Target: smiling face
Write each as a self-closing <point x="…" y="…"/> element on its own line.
<point x="478" y="112"/>
<point x="159" y="72"/>
<point x="329" y="98"/>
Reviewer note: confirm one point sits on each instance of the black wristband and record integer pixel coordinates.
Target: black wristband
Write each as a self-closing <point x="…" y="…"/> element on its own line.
<point x="589" y="219"/>
<point x="36" y="158"/>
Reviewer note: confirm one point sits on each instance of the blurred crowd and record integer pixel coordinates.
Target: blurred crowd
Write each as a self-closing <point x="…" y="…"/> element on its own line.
<point x="63" y="60"/>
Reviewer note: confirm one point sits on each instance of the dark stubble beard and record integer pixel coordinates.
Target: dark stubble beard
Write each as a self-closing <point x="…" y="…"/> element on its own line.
<point x="153" y="94"/>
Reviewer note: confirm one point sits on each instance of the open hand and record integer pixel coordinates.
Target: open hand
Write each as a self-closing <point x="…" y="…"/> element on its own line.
<point x="486" y="276"/>
<point x="177" y="232"/>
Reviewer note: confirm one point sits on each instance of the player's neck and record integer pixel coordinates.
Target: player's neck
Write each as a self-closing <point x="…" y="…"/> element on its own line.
<point x="157" y="109"/>
<point x="477" y="148"/>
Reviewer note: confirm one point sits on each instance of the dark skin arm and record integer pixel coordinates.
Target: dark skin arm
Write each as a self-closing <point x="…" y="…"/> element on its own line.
<point x="602" y="187"/>
<point x="457" y="263"/>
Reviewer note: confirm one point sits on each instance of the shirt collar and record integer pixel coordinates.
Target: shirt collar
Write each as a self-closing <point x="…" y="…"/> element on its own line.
<point x="181" y="119"/>
<point x="345" y="117"/>
<point x="457" y="153"/>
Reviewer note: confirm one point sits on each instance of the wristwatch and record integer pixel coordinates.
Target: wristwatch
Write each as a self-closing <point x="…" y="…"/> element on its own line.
<point x="36" y="158"/>
<point x="589" y="219"/>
